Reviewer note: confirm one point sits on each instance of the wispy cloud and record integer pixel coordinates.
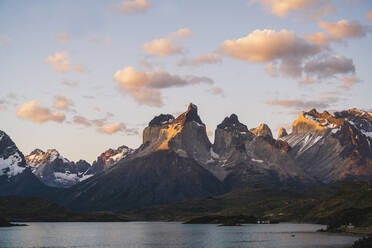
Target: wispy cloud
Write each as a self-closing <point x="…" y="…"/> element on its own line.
<point x="62" y="102"/>
<point x="210" y="58"/>
<point x="330" y="66"/>
<point x="313" y="9"/>
<point x="70" y="83"/>
<point x="127" y="8"/>
<point x="63" y="37"/>
<point x="339" y="31"/>
<point x="348" y="82"/>
<point x="117" y="127"/>
<point x="79" y="69"/>
<point x="298" y="104"/>
<point x="166" y="46"/>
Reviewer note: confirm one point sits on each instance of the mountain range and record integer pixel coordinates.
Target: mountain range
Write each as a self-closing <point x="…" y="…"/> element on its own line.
<point x="177" y="161"/>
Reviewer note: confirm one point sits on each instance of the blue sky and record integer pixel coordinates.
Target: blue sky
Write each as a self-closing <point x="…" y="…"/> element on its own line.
<point x="97" y="39"/>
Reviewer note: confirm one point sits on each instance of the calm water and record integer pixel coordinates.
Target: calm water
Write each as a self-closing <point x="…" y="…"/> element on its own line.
<point x="175" y="235"/>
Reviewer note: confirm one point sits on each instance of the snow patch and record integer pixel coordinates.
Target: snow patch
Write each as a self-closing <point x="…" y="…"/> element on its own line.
<point x="368" y="134"/>
<point x="257" y="160"/>
<point x="10" y="165"/>
<point x="213" y="154"/>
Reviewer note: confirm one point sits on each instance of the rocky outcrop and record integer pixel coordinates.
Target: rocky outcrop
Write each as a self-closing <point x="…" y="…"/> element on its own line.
<point x="151" y="133"/>
<point x="231" y="135"/>
<point x="186" y="135"/>
<point x="262" y="130"/>
<point x="282" y="133"/>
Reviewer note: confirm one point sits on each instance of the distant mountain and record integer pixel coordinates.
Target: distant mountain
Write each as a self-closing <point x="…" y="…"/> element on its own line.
<point x="333" y="147"/>
<point x="56" y="171"/>
<point x="108" y="159"/>
<point x="15" y="177"/>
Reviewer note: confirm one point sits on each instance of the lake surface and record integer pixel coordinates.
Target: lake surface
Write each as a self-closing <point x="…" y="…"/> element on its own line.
<point x="172" y="235"/>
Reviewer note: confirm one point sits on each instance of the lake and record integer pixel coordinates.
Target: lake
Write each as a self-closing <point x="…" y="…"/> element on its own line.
<point x="170" y="234"/>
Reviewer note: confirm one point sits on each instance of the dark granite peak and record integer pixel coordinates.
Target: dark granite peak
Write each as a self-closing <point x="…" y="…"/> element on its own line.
<point x="161" y="120"/>
<point x="233" y="122"/>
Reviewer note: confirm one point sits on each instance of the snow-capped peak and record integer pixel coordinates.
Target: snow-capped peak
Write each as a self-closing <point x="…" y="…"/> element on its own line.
<point x="12" y="161"/>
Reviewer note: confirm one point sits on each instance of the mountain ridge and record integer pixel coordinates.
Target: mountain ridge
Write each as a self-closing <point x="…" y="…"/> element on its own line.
<point x="322" y="148"/>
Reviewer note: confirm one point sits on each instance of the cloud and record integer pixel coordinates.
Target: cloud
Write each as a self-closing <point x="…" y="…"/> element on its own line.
<point x="145" y="87"/>
<point x="310" y="8"/>
<point x="267" y="45"/>
<point x="283" y="47"/>
<point x="166" y="46"/>
<point x="344" y="29"/>
<point x="272" y="69"/>
<point x="369" y="15"/>
<point x="60" y="61"/>
<point x="330" y="66"/>
<point x="37" y="112"/>
<point x="210" y="58"/>
<point x="307" y="80"/>
<point x="318" y="38"/>
<point x="348" y="82"/>
<point x="63" y="37"/>
<point x="126" y="8"/>
<point x="338" y="32"/>
<point x="81" y="120"/>
<point x="216" y="91"/>
<point x="62" y="102"/>
<point x="303" y="104"/>
<point x="102" y="127"/>
<point x="79" y="69"/>
<point x="70" y="83"/>
<point x="117" y="127"/>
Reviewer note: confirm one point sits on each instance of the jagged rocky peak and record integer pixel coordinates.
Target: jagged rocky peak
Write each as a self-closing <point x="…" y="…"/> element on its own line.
<point x="12" y="161"/>
<point x="360" y="119"/>
<point x="313" y="121"/>
<point x="282" y="133"/>
<point x="152" y="131"/>
<point x="230" y="136"/>
<point x="35" y="157"/>
<point x="191" y="114"/>
<point x="262" y="130"/>
<point x="161" y="119"/>
<point x="185" y="135"/>
<point x="111" y="156"/>
<point x="232" y="123"/>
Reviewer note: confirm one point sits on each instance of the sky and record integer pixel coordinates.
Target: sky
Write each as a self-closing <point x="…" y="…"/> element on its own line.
<point x="84" y="76"/>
